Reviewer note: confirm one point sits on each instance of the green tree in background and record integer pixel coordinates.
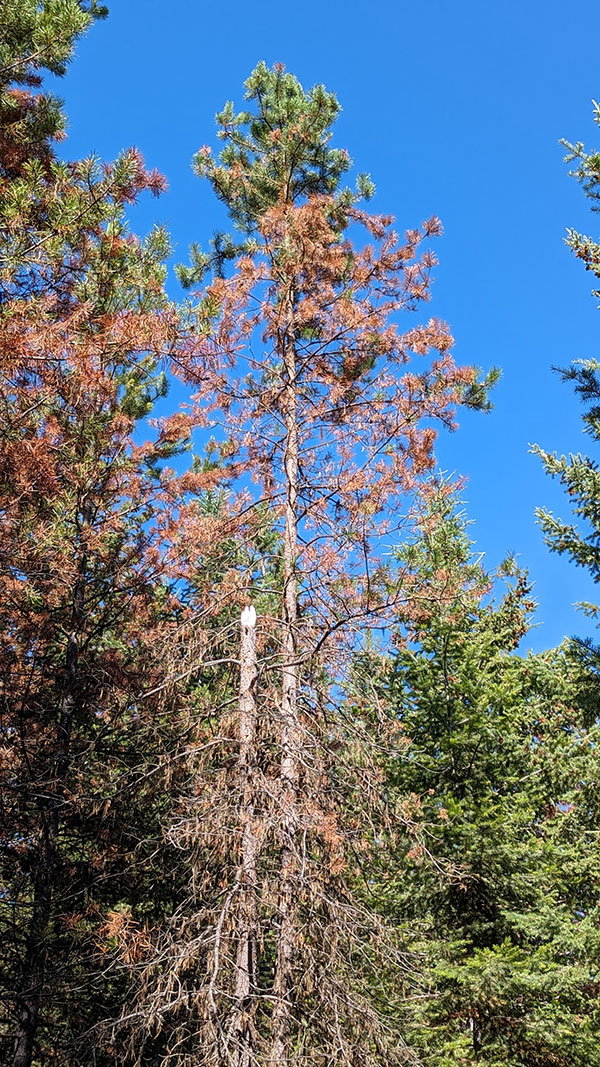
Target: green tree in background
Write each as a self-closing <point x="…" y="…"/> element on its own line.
<point x="36" y="38"/>
<point x="502" y="897"/>
<point x="579" y="473"/>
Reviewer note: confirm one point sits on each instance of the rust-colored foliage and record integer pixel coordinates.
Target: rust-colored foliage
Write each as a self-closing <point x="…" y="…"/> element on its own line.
<point x="86" y="558"/>
<point x="325" y="410"/>
<point x="366" y="421"/>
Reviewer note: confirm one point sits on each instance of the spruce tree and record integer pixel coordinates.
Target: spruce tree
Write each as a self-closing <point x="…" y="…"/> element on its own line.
<point x="500" y="893"/>
<point x="578" y="472"/>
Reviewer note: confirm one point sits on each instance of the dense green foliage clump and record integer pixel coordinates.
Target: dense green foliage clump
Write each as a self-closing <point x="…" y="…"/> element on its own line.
<point x="501" y="895"/>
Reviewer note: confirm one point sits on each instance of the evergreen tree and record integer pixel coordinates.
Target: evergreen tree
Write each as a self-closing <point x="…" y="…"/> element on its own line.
<point x="89" y="614"/>
<point x="500" y="894"/>
<point x="36" y="214"/>
<point x="579" y="473"/>
<point x="299" y="357"/>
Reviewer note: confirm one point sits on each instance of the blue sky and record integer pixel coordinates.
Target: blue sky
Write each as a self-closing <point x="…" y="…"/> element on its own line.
<point x="456" y="109"/>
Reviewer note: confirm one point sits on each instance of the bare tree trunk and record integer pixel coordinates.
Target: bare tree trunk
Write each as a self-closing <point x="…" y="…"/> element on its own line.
<point x="245" y="968"/>
<point x="290" y="727"/>
<point x="50" y="801"/>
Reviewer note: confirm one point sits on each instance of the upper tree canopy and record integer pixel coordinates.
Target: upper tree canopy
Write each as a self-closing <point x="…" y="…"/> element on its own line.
<point x="278" y="153"/>
<point x="35" y="37"/>
<point x="300" y="282"/>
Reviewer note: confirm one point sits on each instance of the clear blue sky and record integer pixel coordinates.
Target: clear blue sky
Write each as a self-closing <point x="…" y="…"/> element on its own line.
<point x="455" y="109"/>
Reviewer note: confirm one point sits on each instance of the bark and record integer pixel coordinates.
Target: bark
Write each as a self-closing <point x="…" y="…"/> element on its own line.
<point x="50" y="800"/>
<point x="245" y="967"/>
<point x="290" y="727"/>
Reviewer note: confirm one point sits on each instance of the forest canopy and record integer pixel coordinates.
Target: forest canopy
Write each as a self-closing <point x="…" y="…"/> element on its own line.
<point x="281" y="782"/>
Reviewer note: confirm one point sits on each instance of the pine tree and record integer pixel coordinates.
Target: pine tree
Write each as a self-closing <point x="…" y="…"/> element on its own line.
<point x="300" y="361"/>
<point x="35" y="38"/>
<point x="86" y="553"/>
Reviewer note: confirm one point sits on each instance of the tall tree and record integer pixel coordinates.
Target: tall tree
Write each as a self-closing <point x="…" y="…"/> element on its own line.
<point x="85" y="530"/>
<point x="299" y="359"/>
<point x="579" y="473"/>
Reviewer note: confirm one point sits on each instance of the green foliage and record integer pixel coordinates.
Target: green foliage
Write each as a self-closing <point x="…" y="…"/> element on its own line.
<point x="579" y="473"/>
<point x="477" y="395"/>
<point x="499" y="894"/>
<point x="278" y="152"/>
<point x="250" y="173"/>
<point x="41" y="35"/>
<point x="581" y="478"/>
<point x="37" y="36"/>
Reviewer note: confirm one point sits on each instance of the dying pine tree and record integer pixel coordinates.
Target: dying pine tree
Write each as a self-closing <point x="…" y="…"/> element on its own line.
<point x="301" y="366"/>
<point x="85" y="530"/>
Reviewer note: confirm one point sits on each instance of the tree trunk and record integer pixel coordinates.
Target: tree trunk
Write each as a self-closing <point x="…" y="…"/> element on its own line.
<point x="50" y="801"/>
<point x="245" y="968"/>
<point x="290" y="727"/>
